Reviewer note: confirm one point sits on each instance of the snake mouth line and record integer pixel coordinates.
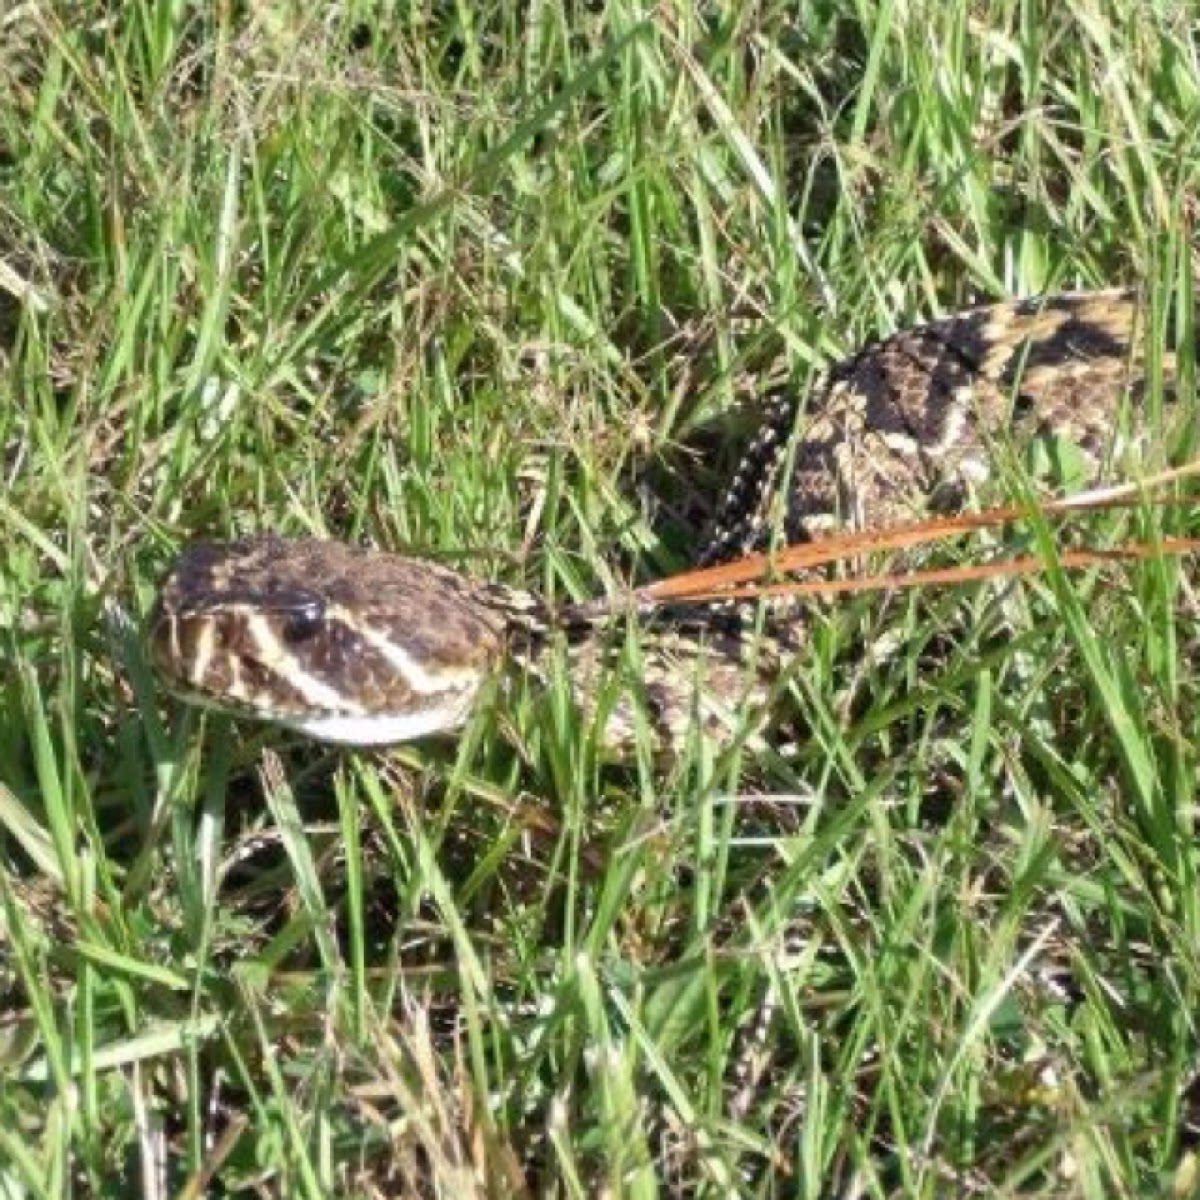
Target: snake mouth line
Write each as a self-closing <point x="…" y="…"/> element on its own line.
<point x="344" y="724"/>
<point x="337" y="727"/>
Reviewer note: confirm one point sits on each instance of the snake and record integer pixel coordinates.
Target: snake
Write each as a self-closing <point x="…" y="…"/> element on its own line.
<point x="355" y="645"/>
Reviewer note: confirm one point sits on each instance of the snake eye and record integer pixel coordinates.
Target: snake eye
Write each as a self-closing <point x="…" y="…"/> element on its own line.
<point x="302" y="624"/>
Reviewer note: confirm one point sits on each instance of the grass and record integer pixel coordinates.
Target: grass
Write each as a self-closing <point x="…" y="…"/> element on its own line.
<point x="494" y="284"/>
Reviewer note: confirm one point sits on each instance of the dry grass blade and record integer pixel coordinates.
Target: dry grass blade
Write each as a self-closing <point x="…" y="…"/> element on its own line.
<point x="1027" y="564"/>
<point x="752" y="575"/>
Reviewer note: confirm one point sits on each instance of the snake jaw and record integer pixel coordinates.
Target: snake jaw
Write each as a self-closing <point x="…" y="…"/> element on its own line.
<point x="447" y="715"/>
<point x="347" y="725"/>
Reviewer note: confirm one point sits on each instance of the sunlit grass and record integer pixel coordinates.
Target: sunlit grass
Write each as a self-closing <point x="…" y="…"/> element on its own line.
<point x="500" y="287"/>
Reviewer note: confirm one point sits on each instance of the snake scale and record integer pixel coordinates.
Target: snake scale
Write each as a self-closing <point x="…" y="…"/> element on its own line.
<point x="359" y="646"/>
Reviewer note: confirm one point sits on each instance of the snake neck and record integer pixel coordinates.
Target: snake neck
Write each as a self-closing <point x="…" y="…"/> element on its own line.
<point x="637" y="676"/>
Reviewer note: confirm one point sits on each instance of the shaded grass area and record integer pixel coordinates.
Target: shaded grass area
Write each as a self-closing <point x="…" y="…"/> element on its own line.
<point x="499" y="286"/>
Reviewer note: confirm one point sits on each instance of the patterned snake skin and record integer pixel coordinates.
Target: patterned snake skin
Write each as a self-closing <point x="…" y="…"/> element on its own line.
<point x="360" y="646"/>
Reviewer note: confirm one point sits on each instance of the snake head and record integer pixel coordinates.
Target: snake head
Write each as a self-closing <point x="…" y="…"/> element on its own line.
<point x="342" y="643"/>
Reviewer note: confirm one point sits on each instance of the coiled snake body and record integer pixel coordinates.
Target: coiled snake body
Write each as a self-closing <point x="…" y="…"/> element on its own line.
<point x="359" y="646"/>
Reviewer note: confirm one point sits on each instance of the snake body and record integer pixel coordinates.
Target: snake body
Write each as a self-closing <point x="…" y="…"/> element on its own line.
<point x="361" y="646"/>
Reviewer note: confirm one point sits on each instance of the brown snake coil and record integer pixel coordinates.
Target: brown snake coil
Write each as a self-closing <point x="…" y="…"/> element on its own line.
<point x="360" y="646"/>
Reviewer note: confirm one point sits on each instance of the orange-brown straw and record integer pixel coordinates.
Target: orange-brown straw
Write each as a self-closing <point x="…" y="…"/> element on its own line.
<point x="758" y="574"/>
